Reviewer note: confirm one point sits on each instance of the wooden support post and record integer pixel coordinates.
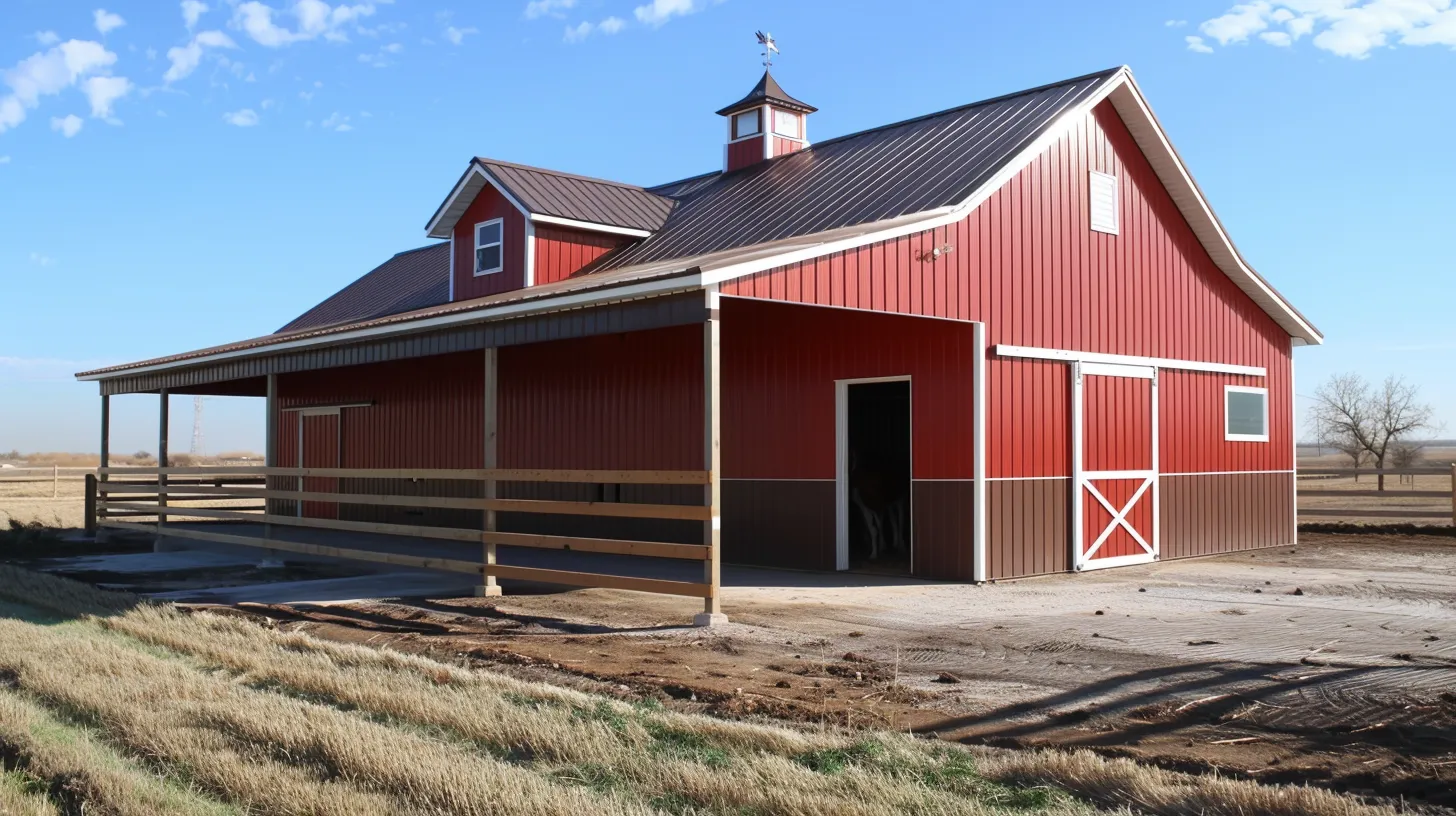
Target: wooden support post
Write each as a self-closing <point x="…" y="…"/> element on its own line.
<point x="1453" y="494"/>
<point x="270" y="447"/>
<point x="489" y="588"/>
<point x="162" y="430"/>
<point x="712" y="613"/>
<point x="105" y="459"/>
<point x="91" y="504"/>
<point x="55" y="481"/>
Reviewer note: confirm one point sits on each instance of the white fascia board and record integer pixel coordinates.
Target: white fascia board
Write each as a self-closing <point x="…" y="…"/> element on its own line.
<point x="1067" y="355"/>
<point x="432" y="229"/>
<point x="595" y="297"/>
<point x="1133" y="107"/>
<point x="590" y="226"/>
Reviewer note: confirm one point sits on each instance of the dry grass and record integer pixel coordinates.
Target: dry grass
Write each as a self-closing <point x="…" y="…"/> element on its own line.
<point x="278" y="722"/>
<point x="22" y="795"/>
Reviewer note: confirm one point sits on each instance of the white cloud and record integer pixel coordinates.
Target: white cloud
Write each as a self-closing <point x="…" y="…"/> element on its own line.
<point x="246" y="117"/>
<point x="103" y="91"/>
<point x="106" y="21"/>
<point x="457" y="35"/>
<point x="543" y="8"/>
<point x="381" y="59"/>
<point x="4" y="159"/>
<point x="47" y="37"/>
<point x="658" y="12"/>
<point x="313" y="18"/>
<point x="68" y="126"/>
<point x="48" y="73"/>
<point x="1197" y="45"/>
<point x="582" y="30"/>
<point x="266" y="104"/>
<point x="192" y="11"/>
<point x="337" y="122"/>
<point x="186" y="58"/>
<point x="578" y="32"/>
<point x="1346" y="28"/>
<point x="1175" y="23"/>
<point x="39" y="259"/>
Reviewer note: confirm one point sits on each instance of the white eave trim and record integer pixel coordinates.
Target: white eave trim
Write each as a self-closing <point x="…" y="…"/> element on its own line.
<point x="591" y="226"/>
<point x="1069" y="356"/>
<point x="432" y="229"/>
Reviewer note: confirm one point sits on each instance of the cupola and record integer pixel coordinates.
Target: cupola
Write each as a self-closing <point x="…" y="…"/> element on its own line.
<point x="765" y="123"/>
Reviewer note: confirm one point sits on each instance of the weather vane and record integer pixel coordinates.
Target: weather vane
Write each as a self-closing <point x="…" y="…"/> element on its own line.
<point x="766" y="40"/>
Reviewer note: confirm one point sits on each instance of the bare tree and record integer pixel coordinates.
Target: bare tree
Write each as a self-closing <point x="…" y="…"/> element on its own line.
<point x="1351" y="416"/>
<point x="1406" y="454"/>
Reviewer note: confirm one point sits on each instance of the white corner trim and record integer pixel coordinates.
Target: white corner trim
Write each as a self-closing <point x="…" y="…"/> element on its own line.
<point x="452" y="266"/>
<point x="1066" y="355"/>
<point x="980" y="530"/>
<point x="529" y="272"/>
<point x="1238" y="437"/>
<point x="591" y="226"/>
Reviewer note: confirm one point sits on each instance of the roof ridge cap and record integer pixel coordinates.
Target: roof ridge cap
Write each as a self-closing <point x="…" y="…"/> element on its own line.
<point x="593" y="179"/>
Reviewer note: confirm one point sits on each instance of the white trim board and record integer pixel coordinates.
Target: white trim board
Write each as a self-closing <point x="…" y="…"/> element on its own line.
<point x="1069" y="356"/>
<point x="841" y="466"/>
<point x="590" y="226"/>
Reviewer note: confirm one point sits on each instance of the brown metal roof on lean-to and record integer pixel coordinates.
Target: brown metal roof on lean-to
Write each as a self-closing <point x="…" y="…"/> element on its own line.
<point x="547" y="192"/>
<point x="913" y="166"/>
<point x="413" y="279"/>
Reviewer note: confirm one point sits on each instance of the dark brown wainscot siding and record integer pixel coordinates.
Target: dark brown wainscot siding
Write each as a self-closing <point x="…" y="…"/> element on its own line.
<point x="1028" y="527"/>
<point x="1207" y="514"/>
<point x="779" y="523"/>
<point x="944" y="528"/>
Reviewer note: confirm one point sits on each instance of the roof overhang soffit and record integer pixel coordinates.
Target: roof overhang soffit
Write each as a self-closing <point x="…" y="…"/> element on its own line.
<point x="476" y="179"/>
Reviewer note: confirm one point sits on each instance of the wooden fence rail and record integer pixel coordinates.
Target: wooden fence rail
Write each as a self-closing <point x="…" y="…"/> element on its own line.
<point x="174" y="492"/>
<point x="1399" y="513"/>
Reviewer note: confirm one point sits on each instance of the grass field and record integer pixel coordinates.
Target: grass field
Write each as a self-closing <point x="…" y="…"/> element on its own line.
<point x="109" y="706"/>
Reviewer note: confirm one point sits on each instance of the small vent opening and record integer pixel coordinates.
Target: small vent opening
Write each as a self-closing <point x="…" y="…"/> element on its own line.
<point x="1103" y="192"/>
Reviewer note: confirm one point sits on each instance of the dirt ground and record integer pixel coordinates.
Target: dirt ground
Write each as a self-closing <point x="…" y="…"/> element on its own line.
<point x="1333" y="663"/>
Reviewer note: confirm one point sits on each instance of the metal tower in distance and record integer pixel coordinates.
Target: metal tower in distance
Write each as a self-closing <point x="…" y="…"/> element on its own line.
<point x="199" y="447"/>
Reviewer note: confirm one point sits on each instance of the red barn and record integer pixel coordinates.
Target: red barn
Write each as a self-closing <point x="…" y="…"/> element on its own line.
<point x="1006" y="339"/>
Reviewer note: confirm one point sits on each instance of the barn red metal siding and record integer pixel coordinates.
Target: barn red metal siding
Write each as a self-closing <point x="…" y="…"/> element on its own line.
<point x="320" y="450"/>
<point x="562" y="252"/>
<point x="783" y="147"/>
<point x="741" y="154"/>
<point x="1026" y="262"/>
<point x="780" y="363"/>
<point x="425" y="413"/>
<point x="487" y="205"/>
<point x="622" y="401"/>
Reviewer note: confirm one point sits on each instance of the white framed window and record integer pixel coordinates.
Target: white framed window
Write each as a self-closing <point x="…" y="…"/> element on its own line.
<point x="489" y="246"/>
<point x="746" y="124"/>
<point x="1245" y="414"/>
<point x="1102" y="191"/>
<point x="786" y="123"/>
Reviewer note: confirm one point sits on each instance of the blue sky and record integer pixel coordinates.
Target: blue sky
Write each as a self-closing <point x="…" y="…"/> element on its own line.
<point x="175" y="175"/>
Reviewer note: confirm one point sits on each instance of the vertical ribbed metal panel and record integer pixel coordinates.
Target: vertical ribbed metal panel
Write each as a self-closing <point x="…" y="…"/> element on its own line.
<point x="625" y="401"/>
<point x="1027" y="263"/>
<point x="780" y="363"/>
<point x="1117" y="415"/>
<point x="562" y="252"/>
<point x="320" y="450"/>
<point x="490" y="204"/>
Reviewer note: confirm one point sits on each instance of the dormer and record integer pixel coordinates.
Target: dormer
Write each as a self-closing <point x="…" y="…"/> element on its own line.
<point x="511" y="226"/>
<point x="764" y="124"/>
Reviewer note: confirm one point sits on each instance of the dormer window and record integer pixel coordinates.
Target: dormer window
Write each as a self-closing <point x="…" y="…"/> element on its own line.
<point x="746" y="124"/>
<point x="489" y="252"/>
<point x="786" y="124"/>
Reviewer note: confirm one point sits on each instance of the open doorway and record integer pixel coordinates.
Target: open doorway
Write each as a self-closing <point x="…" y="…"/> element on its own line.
<point x="874" y="475"/>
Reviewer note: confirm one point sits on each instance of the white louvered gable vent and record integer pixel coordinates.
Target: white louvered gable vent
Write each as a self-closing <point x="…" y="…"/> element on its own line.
<point x="1103" y="192"/>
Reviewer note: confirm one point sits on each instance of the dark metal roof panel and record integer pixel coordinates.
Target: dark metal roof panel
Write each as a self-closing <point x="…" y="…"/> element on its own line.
<point x="922" y="164"/>
<point x="768" y="90"/>
<point x="547" y="192"/>
<point x="413" y="279"/>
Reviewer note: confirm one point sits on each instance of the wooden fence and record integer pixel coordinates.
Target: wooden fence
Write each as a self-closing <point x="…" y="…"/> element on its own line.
<point x="162" y="493"/>
<point x="1398" y="493"/>
<point x="53" y="474"/>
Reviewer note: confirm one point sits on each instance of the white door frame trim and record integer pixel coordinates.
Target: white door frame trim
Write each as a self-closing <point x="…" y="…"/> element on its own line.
<point x="841" y="467"/>
<point x="1082" y="479"/>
